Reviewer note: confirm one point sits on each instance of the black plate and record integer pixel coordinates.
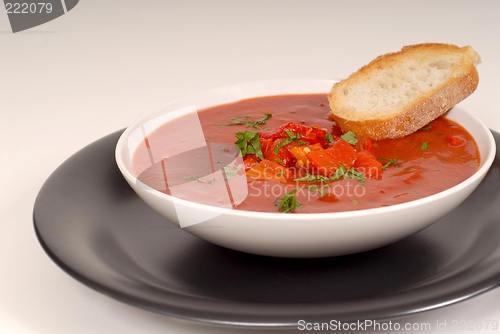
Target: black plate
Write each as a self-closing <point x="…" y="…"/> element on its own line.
<point x="98" y="230"/>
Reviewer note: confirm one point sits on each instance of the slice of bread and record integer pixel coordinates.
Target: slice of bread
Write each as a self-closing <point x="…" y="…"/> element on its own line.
<point x="398" y="93"/>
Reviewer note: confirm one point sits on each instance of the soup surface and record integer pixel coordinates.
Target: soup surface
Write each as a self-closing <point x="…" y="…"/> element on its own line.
<point x="180" y="159"/>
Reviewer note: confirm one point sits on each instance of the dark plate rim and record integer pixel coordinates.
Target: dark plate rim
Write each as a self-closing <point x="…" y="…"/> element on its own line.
<point x="235" y="314"/>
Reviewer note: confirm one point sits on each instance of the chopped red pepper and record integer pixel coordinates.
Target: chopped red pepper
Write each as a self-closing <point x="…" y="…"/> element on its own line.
<point x="311" y="135"/>
<point x="265" y="143"/>
<point x="324" y="162"/>
<point x="270" y="170"/>
<point x="343" y="152"/>
<point x="249" y="163"/>
<point x="283" y="154"/>
<point x="365" y="144"/>
<point x="367" y="164"/>
<point x="300" y="152"/>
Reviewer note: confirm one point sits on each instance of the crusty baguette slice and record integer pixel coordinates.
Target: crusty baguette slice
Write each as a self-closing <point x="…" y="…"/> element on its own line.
<point x="398" y="93"/>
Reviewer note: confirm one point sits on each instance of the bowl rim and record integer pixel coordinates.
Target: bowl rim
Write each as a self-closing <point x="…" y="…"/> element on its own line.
<point x="486" y="163"/>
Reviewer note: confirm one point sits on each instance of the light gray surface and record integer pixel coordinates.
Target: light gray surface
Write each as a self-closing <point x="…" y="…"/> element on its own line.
<point x="96" y="69"/>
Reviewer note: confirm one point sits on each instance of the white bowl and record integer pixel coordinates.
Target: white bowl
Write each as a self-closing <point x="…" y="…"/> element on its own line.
<point x="295" y="235"/>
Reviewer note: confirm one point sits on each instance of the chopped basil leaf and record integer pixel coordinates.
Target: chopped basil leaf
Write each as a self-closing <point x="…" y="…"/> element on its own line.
<point x="279" y="161"/>
<point x="426" y="128"/>
<point x="248" y="123"/>
<point x="424" y="146"/>
<point x="191" y="178"/>
<point x="242" y="144"/>
<point x="354" y="201"/>
<point x="281" y="172"/>
<point x="288" y="203"/>
<point x="350" y="137"/>
<point x="197" y="178"/>
<point x="301" y="142"/>
<point x="338" y="173"/>
<point x="291" y="138"/>
<point x="329" y="137"/>
<point x="313" y="178"/>
<point x="391" y="162"/>
<point x="320" y="178"/>
<point x="261" y="121"/>
<point x="317" y="189"/>
<point x="355" y="175"/>
<point x="229" y="172"/>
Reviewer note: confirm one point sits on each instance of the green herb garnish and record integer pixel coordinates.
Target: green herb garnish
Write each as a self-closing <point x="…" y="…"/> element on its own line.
<point x="301" y="142"/>
<point x="350" y="137"/>
<point x="329" y="137"/>
<point x="279" y="161"/>
<point x="255" y="125"/>
<point x="313" y="178"/>
<point x="288" y="203"/>
<point x="338" y="173"/>
<point x="426" y="128"/>
<point x="355" y="202"/>
<point x="244" y="148"/>
<point x="317" y="189"/>
<point x="355" y="175"/>
<point x="391" y="162"/>
<point x="234" y="118"/>
<point x="197" y="178"/>
<point x="320" y="178"/>
<point x="229" y="172"/>
<point x="291" y="138"/>
<point x="191" y="178"/>
<point x="424" y="146"/>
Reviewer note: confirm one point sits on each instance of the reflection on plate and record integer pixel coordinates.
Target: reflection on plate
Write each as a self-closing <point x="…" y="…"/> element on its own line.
<point x="95" y="228"/>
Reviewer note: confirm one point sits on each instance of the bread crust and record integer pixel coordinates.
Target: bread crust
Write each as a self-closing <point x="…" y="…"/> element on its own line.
<point x="416" y="114"/>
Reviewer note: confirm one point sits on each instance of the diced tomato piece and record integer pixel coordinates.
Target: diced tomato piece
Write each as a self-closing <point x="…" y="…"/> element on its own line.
<point x="343" y="152"/>
<point x="300" y="153"/>
<point x="290" y="146"/>
<point x="275" y="133"/>
<point x="283" y="154"/>
<point x="365" y="144"/>
<point x="302" y="130"/>
<point x="455" y="141"/>
<point x="323" y="161"/>
<point x="311" y="135"/>
<point x="368" y="145"/>
<point x="336" y="131"/>
<point x="319" y="137"/>
<point x="252" y="157"/>
<point x="249" y="163"/>
<point x="270" y="170"/>
<point x="266" y="144"/>
<point x="312" y="139"/>
<point x="315" y="147"/>
<point x="367" y="164"/>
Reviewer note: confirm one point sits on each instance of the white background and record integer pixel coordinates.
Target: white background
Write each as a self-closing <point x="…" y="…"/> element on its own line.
<point x="96" y="69"/>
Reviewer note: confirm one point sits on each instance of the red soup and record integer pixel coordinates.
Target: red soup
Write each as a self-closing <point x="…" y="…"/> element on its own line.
<point x="296" y="159"/>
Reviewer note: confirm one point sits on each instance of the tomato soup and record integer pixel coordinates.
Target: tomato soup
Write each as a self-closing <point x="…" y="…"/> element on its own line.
<point x="435" y="158"/>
